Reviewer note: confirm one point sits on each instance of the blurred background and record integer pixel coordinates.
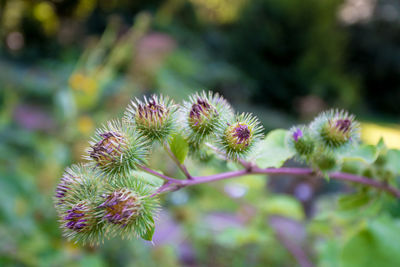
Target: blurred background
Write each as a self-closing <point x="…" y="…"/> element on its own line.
<point x="67" y="66"/>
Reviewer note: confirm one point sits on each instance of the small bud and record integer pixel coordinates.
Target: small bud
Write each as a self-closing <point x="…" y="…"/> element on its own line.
<point x="153" y="118"/>
<point x="203" y="115"/>
<point x="301" y="141"/>
<point x="117" y="149"/>
<point x="336" y="129"/>
<point x="238" y="138"/>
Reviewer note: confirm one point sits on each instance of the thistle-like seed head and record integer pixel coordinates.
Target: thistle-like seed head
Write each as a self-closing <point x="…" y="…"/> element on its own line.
<point x="239" y="137"/>
<point x="127" y="208"/>
<point x="153" y="118"/>
<point x="301" y="141"/>
<point x="204" y="115"/>
<point x="117" y="149"/>
<point x="336" y="129"/>
<point x="75" y="196"/>
<point x="201" y="116"/>
<point x="121" y="206"/>
<point x="109" y="148"/>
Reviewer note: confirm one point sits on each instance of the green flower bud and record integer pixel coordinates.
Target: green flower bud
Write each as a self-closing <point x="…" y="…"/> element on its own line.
<point x="153" y="118"/>
<point x="80" y="224"/>
<point x="336" y="129"/>
<point x="127" y="208"/>
<point x="117" y="149"/>
<point x="75" y="201"/>
<point x="239" y="137"/>
<point x="301" y="141"/>
<point x="325" y="161"/>
<point x="203" y="115"/>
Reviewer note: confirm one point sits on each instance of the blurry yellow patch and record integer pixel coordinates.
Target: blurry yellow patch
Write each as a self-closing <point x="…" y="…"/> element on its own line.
<point x="85" y="7"/>
<point x="85" y="125"/>
<point x="80" y="82"/>
<point x="44" y="12"/>
<point x="371" y="133"/>
<point x="220" y="11"/>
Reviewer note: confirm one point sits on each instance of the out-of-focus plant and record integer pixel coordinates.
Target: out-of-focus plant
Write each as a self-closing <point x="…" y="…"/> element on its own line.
<point x="116" y="193"/>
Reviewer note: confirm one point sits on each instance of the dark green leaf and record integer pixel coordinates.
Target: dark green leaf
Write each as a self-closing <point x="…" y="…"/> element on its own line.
<point x="149" y="234"/>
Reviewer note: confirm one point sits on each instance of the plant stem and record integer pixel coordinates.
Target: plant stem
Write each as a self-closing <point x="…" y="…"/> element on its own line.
<point x="162" y="176"/>
<point x="180" y="165"/>
<point x="292" y="171"/>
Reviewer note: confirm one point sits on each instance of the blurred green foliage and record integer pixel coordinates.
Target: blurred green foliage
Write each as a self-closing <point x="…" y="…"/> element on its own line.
<point x="66" y="66"/>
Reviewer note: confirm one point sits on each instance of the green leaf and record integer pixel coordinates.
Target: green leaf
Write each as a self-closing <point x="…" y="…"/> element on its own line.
<point x="149" y="234"/>
<point x="375" y="245"/>
<point x="353" y="201"/>
<point x="179" y="147"/>
<point x="273" y="150"/>
<point x="364" y="153"/>
<point x="285" y="206"/>
<point x="393" y="160"/>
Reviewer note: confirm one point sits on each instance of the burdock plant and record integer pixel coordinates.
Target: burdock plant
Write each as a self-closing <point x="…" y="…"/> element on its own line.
<point x="109" y="195"/>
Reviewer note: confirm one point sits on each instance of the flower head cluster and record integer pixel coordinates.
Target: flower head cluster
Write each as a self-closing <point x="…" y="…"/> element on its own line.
<point x="153" y="117"/>
<point x="240" y="136"/>
<point x="92" y="207"/>
<point x="105" y="197"/>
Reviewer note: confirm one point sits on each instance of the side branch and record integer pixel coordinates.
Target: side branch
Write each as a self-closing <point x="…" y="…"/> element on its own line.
<point x="295" y="172"/>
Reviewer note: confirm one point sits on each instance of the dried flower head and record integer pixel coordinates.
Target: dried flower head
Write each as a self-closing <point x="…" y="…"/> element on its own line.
<point x="239" y="137"/>
<point x="335" y="129"/>
<point x="203" y="115"/>
<point x="117" y="149"/>
<point x="153" y="117"/>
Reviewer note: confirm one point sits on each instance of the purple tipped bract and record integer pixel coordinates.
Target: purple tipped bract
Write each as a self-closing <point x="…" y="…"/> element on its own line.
<point x="65" y="185"/>
<point x="200" y="107"/>
<point x="76" y="218"/>
<point x="242" y="133"/>
<point x="343" y="125"/>
<point x="120" y="207"/>
<point x="297" y="134"/>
